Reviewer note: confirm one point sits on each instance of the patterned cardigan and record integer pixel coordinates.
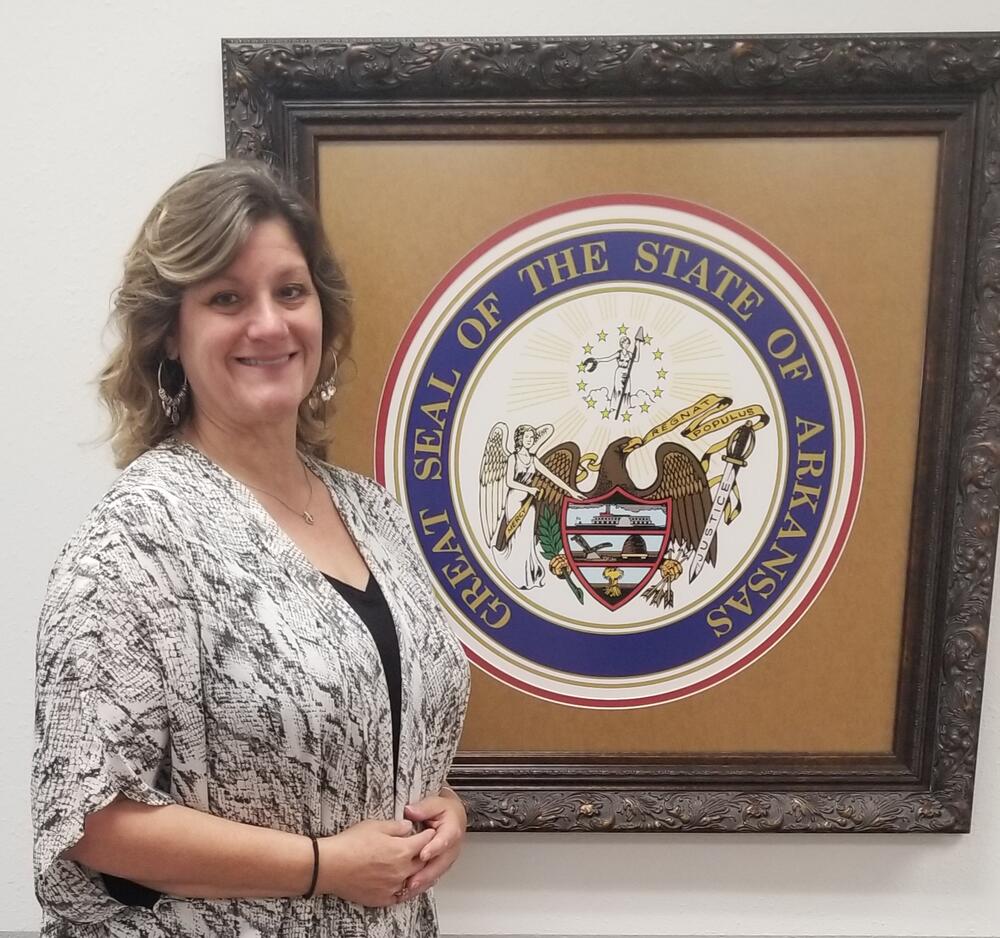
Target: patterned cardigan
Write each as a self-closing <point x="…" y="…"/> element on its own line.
<point x="189" y="653"/>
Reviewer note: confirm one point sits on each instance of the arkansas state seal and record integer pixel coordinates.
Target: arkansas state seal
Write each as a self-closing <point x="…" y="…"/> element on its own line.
<point x="630" y="438"/>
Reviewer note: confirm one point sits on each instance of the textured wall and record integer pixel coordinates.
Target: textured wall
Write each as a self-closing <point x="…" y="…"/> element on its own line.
<point x="107" y="102"/>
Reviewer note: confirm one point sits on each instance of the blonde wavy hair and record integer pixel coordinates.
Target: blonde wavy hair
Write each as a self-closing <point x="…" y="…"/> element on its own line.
<point x="195" y="231"/>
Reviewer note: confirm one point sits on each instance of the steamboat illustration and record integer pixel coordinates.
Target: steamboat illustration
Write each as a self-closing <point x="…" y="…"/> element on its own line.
<point x="609" y="518"/>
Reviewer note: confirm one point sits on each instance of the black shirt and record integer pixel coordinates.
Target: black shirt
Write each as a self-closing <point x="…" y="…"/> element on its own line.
<point x="373" y="610"/>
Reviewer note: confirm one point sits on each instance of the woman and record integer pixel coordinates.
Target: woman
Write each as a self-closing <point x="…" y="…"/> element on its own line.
<point x="238" y="732"/>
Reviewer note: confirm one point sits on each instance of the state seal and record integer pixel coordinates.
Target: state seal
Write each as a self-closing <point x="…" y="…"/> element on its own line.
<point x="629" y="436"/>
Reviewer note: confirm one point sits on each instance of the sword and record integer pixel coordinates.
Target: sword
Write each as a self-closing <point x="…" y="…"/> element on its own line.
<point x="738" y="449"/>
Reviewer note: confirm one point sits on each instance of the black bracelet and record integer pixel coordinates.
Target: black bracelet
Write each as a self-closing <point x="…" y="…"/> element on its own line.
<point x="315" y="876"/>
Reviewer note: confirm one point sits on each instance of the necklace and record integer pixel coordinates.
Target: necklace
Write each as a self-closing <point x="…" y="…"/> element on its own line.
<point x="304" y="514"/>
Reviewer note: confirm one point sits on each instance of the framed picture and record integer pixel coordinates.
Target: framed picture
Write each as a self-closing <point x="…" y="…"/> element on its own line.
<point x="682" y="354"/>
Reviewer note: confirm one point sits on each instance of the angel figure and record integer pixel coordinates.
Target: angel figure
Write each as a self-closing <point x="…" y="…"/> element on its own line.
<point x="509" y="484"/>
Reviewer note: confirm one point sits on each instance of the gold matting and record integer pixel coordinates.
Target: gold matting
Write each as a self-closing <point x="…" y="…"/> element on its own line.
<point x="855" y="214"/>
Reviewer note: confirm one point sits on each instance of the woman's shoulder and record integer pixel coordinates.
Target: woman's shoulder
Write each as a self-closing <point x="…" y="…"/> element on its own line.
<point x="369" y="504"/>
<point x="141" y="518"/>
<point x="160" y="481"/>
<point x="146" y="495"/>
<point x="355" y="485"/>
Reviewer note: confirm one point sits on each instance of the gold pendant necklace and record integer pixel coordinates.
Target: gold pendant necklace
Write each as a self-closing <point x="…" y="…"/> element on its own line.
<point x="304" y="514"/>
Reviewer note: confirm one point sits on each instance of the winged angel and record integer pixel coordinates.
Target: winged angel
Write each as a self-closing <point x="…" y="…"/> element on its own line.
<point x="518" y="486"/>
<point x="510" y="483"/>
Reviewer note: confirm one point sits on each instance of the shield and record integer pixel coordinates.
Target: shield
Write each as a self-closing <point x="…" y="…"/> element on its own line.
<point x="615" y="542"/>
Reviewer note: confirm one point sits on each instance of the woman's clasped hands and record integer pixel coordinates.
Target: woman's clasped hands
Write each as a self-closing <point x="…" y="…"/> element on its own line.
<point x="445" y="815"/>
<point x="381" y="863"/>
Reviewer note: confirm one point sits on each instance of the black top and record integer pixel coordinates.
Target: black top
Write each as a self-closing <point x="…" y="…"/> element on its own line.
<point x="373" y="610"/>
<point x="124" y="890"/>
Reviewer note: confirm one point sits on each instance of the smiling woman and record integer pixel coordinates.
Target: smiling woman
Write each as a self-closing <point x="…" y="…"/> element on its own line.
<point x="191" y="246"/>
<point x="251" y="338"/>
<point x="247" y="698"/>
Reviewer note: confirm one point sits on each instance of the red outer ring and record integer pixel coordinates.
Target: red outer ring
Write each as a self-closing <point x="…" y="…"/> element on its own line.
<point x="845" y="357"/>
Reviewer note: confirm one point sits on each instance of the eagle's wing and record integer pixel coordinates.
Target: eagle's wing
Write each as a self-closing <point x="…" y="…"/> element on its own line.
<point x="562" y="461"/>
<point x="681" y="478"/>
<point x="493" y="479"/>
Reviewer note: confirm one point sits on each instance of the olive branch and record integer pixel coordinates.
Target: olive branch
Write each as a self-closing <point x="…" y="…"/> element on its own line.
<point x="550" y="538"/>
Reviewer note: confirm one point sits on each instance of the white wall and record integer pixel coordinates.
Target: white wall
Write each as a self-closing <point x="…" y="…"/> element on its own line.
<point x="106" y="102"/>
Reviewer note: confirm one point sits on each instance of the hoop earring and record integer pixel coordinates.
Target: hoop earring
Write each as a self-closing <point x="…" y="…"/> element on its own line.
<point x="172" y="404"/>
<point x="324" y="392"/>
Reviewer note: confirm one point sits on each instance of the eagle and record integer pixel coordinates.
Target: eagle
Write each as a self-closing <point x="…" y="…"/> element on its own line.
<point x="679" y="477"/>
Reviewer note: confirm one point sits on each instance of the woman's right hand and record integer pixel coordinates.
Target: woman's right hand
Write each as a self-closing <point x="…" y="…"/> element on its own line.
<point x="370" y="862"/>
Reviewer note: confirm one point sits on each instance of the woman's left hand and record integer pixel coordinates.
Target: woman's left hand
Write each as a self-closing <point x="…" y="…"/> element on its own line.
<point x="445" y="814"/>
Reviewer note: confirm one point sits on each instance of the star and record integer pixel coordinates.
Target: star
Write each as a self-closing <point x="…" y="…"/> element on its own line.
<point x="601" y="336"/>
<point x="587" y="349"/>
<point x="605" y="414"/>
<point x="581" y="367"/>
<point x="658" y="354"/>
<point x="623" y="329"/>
<point x="661" y="374"/>
<point x="658" y="392"/>
<point x="626" y="416"/>
<point x="647" y="339"/>
<point x="644" y="408"/>
<point x="591" y="403"/>
<point x="581" y="385"/>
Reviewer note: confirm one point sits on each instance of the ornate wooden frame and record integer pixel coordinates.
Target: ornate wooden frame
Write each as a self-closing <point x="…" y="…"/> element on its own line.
<point x="281" y="97"/>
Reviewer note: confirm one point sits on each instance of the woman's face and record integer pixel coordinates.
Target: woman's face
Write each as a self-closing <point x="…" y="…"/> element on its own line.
<point x="250" y="338"/>
<point x="528" y="439"/>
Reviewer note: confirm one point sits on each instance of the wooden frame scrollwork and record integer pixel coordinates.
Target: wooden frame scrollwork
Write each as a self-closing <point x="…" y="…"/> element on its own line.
<point x="283" y="97"/>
